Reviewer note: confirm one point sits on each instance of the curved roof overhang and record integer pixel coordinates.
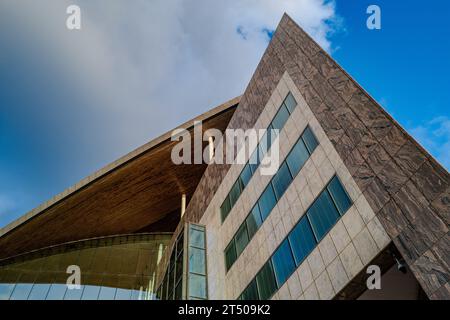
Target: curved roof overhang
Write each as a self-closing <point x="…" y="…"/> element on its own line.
<point x="140" y="192"/>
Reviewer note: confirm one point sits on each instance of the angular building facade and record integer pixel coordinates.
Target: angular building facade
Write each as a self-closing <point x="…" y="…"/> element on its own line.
<point x="353" y="194"/>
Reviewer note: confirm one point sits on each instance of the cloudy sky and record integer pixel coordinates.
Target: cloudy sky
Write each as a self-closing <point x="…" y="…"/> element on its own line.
<point x="73" y="101"/>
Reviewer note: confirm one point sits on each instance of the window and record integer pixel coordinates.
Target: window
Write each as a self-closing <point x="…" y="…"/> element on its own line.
<point x="235" y="192"/>
<point x="253" y="221"/>
<point x="309" y="139"/>
<point x="302" y="240"/>
<point x="197" y="262"/>
<point x="197" y="286"/>
<point x="283" y="262"/>
<point x="251" y="292"/>
<point x="21" y="291"/>
<point x="322" y="215"/>
<point x="280" y="118"/>
<point x="241" y="239"/>
<point x="263" y="146"/>
<point x="254" y="161"/>
<point x="290" y="102"/>
<point x="225" y="208"/>
<point x="39" y="291"/>
<point x="246" y="175"/>
<point x="196" y="237"/>
<point x="265" y="280"/>
<point x="281" y="180"/>
<point x="297" y="157"/>
<point x="340" y="197"/>
<point x="267" y="201"/>
<point x="230" y="254"/>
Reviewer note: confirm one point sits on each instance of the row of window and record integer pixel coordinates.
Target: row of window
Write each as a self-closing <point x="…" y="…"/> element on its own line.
<point x="321" y="216"/>
<point x="290" y="167"/>
<point x="286" y="108"/>
<point x="171" y="286"/>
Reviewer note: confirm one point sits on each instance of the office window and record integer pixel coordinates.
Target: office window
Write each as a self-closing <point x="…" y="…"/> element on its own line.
<point x="197" y="286"/>
<point x="230" y="254"/>
<point x="251" y="292"/>
<point x="241" y="239"/>
<point x="280" y="118"/>
<point x="309" y="139"/>
<point x="235" y="192"/>
<point x="266" y="281"/>
<point x="322" y="215"/>
<point x="263" y="145"/>
<point x="339" y="195"/>
<point x="225" y="208"/>
<point x="196" y="237"/>
<point x="267" y="201"/>
<point x="302" y="240"/>
<point x="283" y="262"/>
<point x="197" y="263"/>
<point x="281" y="180"/>
<point x="297" y="157"/>
<point x="253" y="221"/>
<point x="246" y="175"/>
<point x="290" y="102"/>
<point x="254" y="161"/>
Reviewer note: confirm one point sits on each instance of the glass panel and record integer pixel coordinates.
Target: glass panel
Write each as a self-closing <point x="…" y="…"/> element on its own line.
<point x="230" y="254"/>
<point x="180" y="244"/>
<point x="267" y="201"/>
<point x="302" y="240"/>
<point x="241" y="239"/>
<point x="39" y="291"/>
<point x="283" y="262"/>
<point x="263" y="146"/>
<point x="197" y="286"/>
<point x="90" y="293"/>
<point x="5" y="290"/>
<point x="266" y="281"/>
<point x="164" y="290"/>
<point x="57" y="292"/>
<point x="171" y="283"/>
<point x="339" y="195"/>
<point x="254" y="161"/>
<point x="280" y="118"/>
<point x="235" y="192"/>
<point x="123" y="294"/>
<point x="251" y="292"/>
<point x="179" y="267"/>
<point x="73" y="294"/>
<point x="246" y="175"/>
<point x="107" y="293"/>
<point x="179" y="290"/>
<point x="253" y="221"/>
<point x="197" y="260"/>
<point x="309" y="139"/>
<point x="196" y="237"/>
<point x="225" y="208"/>
<point x="21" y="291"/>
<point x="297" y="157"/>
<point x="290" y="102"/>
<point x="323" y="215"/>
<point x="282" y="180"/>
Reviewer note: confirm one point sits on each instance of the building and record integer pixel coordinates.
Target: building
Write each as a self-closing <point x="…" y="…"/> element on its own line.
<point x="353" y="190"/>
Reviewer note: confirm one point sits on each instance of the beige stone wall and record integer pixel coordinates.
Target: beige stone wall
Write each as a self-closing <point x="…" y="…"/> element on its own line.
<point x="351" y="244"/>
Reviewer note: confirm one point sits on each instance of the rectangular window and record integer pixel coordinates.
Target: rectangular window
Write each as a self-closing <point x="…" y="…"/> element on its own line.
<point x="339" y="195"/>
<point x="281" y="180"/>
<point x="290" y="102"/>
<point x="297" y="157"/>
<point x="283" y="262"/>
<point x="253" y="221"/>
<point x="266" y="282"/>
<point x="254" y="161"/>
<point x="322" y="215"/>
<point x="310" y="139"/>
<point x="302" y="240"/>
<point x="280" y="118"/>
<point x="230" y="254"/>
<point x="197" y="262"/>
<point x="246" y="175"/>
<point x="251" y="292"/>
<point x="241" y="239"/>
<point x="267" y="201"/>
<point x="235" y="192"/>
<point x="225" y="208"/>
<point x="197" y="286"/>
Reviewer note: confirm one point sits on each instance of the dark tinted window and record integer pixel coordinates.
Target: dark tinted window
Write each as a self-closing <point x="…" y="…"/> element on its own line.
<point x="241" y="239"/>
<point x="340" y="196"/>
<point x="225" y="208"/>
<point x="266" y="281"/>
<point x="309" y="139"/>
<point x="280" y="118"/>
<point x="283" y="262"/>
<point x="290" y="102"/>
<point x="251" y="292"/>
<point x="302" y="240"/>
<point x="297" y="157"/>
<point x="323" y="215"/>
<point x="254" y="161"/>
<point x="253" y="221"/>
<point x="266" y="202"/>
<point x="235" y="192"/>
<point x="281" y="180"/>
<point x="246" y="175"/>
<point x="230" y="254"/>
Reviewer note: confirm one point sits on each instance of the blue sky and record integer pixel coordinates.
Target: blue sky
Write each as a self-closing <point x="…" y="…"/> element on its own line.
<point x="71" y="102"/>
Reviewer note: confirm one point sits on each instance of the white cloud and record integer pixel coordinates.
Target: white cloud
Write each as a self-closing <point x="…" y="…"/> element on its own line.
<point x="434" y="135"/>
